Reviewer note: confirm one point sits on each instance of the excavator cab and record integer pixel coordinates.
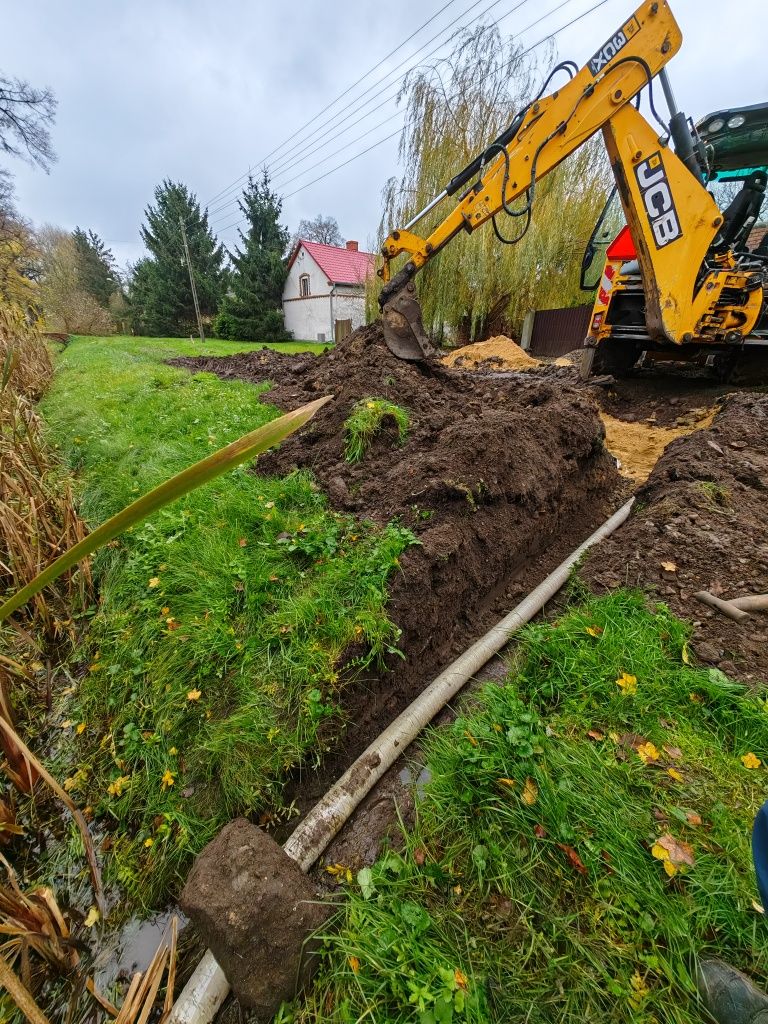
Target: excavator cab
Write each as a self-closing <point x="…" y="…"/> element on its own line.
<point x="733" y="148"/>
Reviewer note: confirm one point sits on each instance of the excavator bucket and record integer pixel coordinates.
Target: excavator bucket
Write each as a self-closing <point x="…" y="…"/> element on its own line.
<point x="403" y="328"/>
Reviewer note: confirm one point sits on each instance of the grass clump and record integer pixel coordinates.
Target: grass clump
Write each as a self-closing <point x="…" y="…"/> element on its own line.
<point x="534" y="885"/>
<point x="213" y="663"/>
<point x="368" y="417"/>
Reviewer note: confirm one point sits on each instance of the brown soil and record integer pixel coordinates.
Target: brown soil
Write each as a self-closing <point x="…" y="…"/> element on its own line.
<point x="704" y="512"/>
<point x="662" y="399"/>
<point x="499" y="353"/>
<point x="255" y="909"/>
<point x="498" y="476"/>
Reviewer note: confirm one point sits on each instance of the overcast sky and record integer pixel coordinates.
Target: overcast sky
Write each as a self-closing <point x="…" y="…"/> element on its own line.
<point x="199" y="90"/>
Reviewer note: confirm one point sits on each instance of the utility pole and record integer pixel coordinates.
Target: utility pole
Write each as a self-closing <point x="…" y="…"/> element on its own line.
<point x="192" y="281"/>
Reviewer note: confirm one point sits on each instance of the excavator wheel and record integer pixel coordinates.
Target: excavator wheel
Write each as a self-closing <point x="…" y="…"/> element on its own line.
<point x="616" y="358"/>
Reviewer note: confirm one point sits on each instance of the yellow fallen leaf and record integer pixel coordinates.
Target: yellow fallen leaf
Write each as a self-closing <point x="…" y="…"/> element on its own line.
<point x="154" y="582"/>
<point x="750" y="761"/>
<point x="470" y="737"/>
<point x="663" y="855"/>
<point x="173" y="751"/>
<point x="193" y="695"/>
<point x="340" y="871"/>
<point x="354" y="963"/>
<point x="640" y="990"/>
<point x="530" y="792"/>
<point x="149" y="842"/>
<point x="460" y="978"/>
<point x="37" y="666"/>
<point x="168" y="779"/>
<point x="80" y="729"/>
<point x="686" y="654"/>
<point x="673" y="773"/>
<point x="67" y="725"/>
<point x="627" y="683"/>
<point x="92" y="917"/>
<point x="673" y="853"/>
<point x="506" y="782"/>
<point x="116" y="788"/>
<point x="165" y="610"/>
<point x="669" y="566"/>
<point x="647" y="752"/>
<point x="593" y="630"/>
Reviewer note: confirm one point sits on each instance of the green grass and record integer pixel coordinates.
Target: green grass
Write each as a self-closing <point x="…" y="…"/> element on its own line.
<point x="529" y="889"/>
<point x="213" y="658"/>
<point x="367" y="418"/>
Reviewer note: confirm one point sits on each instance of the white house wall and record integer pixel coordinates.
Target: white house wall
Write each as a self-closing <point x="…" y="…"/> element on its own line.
<point x="307" y="317"/>
<point x="349" y="304"/>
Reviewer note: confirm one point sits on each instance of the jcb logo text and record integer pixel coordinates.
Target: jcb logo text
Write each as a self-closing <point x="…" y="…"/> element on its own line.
<point x="658" y="202"/>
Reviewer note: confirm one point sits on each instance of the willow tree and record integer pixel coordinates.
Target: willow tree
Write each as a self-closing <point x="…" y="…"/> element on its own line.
<point x="454" y="110"/>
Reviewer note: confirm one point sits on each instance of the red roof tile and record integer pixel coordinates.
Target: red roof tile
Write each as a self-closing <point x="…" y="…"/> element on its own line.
<point x="342" y="265"/>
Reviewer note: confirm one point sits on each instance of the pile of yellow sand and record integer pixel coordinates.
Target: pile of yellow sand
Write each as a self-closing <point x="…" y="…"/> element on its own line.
<point x="505" y="353"/>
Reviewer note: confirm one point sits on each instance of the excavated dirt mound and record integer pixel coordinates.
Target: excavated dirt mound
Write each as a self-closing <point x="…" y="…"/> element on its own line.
<point x="704" y="512"/>
<point x="499" y="353"/>
<point x="493" y="471"/>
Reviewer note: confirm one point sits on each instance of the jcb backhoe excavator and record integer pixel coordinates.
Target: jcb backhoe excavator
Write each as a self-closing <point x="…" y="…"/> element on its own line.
<point x="679" y="281"/>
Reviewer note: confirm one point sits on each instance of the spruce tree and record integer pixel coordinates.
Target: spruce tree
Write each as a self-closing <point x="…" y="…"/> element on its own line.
<point x="161" y="296"/>
<point x="252" y="308"/>
<point x="96" y="264"/>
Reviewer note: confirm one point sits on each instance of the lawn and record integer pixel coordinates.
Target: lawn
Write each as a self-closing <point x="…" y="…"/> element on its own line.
<point x="211" y="666"/>
<point x="584" y="838"/>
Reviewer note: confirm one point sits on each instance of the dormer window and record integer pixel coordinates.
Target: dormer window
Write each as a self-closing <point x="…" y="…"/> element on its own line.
<point x="304" y="285"/>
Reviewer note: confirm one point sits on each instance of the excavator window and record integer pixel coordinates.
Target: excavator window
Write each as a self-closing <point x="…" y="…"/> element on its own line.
<point x="608" y="225"/>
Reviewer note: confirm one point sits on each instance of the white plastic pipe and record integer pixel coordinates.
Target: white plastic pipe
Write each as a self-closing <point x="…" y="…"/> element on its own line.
<point x="208" y="987"/>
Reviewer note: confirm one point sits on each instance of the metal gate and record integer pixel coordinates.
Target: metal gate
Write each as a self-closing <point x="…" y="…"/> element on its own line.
<point x="557" y="331"/>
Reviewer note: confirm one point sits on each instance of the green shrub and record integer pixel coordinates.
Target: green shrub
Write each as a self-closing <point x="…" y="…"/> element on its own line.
<point x="367" y="419"/>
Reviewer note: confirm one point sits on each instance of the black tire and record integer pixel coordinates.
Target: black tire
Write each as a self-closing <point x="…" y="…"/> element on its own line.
<point x="616" y="357"/>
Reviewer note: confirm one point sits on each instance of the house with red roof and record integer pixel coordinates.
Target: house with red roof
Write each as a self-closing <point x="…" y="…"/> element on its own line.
<point x="325" y="287"/>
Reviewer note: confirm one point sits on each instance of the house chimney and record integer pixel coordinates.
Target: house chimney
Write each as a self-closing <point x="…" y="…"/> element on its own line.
<point x="352" y="246"/>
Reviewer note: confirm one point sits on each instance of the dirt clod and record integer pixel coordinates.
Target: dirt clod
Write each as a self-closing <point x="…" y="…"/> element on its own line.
<point x="254" y="908"/>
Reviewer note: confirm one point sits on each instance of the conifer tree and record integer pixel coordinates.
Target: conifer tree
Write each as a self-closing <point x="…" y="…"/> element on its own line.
<point x="96" y="264"/>
<point x="252" y="308"/>
<point x="160" y="294"/>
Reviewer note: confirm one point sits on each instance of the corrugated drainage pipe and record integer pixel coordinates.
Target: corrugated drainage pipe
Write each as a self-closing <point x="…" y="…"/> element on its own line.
<point x="208" y="987"/>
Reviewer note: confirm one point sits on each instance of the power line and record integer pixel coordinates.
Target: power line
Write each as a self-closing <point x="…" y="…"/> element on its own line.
<point x="386" y="138"/>
<point x="336" y="100"/>
<point x="216" y="210"/>
<point x="379" y="124"/>
<point x="223" y="210"/>
<point x="285" y="160"/>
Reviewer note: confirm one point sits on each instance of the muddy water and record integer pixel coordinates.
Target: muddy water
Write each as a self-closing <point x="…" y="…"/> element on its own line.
<point x="133" y="947"/>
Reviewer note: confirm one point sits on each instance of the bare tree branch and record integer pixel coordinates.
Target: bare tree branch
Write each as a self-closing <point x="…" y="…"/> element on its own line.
<point x="26" y="115"/>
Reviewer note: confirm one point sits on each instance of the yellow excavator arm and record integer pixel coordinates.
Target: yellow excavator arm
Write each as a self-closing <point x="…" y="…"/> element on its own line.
<point x="673" y="219"/>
